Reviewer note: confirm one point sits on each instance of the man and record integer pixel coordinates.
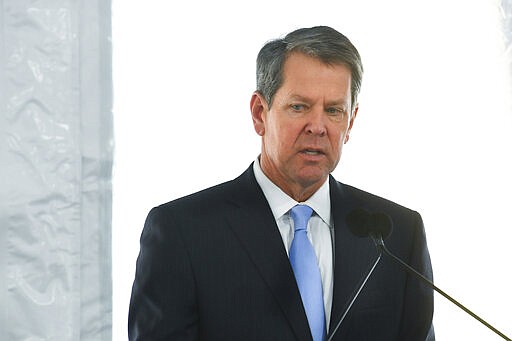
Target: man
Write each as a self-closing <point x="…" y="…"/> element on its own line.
<point x="234" y="262"/>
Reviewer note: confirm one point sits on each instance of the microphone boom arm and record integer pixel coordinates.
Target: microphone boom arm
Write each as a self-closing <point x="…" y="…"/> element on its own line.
<point x="379" y="242"/>
<point x="356" y="294"/>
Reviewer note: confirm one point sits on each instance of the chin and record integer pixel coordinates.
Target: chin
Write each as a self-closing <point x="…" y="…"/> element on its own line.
<point x="312" y="178"/>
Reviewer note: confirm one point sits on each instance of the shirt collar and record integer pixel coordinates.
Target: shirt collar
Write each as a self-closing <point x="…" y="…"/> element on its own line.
<point x="280" y="202"/>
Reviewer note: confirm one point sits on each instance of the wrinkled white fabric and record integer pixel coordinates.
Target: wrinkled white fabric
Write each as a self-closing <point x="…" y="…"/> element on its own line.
<point x="506" y="10"/>
<point x="55" y="169"/>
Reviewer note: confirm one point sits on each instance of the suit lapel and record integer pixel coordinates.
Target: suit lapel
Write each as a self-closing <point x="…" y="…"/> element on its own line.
<point x="352" y="255"/>
<point x="253" y="223"/>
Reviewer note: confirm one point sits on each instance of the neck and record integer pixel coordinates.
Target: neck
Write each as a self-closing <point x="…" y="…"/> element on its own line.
<point x="298" y="191"/>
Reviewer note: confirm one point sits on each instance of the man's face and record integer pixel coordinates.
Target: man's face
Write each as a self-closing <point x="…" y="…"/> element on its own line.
<point x="304" y="131"/>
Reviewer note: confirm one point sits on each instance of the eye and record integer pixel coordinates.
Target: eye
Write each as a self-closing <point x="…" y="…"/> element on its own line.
<point x="298" y="107"/>
<point x="333" y="111"/>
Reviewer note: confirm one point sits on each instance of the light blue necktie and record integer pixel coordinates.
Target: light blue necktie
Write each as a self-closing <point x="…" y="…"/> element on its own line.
<point x="307" y="273"/>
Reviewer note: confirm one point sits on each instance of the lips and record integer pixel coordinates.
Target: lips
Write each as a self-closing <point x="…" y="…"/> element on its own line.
<point x="312" y="151"/>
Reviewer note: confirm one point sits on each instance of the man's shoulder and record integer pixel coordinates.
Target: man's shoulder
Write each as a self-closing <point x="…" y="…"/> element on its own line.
<point x="215" y="195"/>
<point x="209" y="207"/>
<point x="408" y="228"/>
<point x="207" y="196"/>
<point x="370" y="201"/>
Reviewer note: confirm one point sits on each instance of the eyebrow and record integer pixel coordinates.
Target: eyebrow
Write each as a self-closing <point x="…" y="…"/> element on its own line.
<point x="300" y="98"/>
<point x="340" y="101"/>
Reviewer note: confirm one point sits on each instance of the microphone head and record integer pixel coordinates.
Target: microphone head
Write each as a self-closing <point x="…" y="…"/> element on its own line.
<point x="364" y="224"/>
<point x="359" y="221"/>
<point x="382" y="224"/>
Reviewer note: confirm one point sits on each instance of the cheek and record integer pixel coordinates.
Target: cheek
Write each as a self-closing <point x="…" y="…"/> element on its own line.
<point x="286" y="133"/>
<point x="337" y="140"/>
<point x="277" y="139"/>
<point x="337" y="136"/>
<point x="337" y="146"/>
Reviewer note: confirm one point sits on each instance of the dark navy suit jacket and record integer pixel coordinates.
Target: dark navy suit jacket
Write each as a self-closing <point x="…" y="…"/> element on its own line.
<point x="212" y="266"/>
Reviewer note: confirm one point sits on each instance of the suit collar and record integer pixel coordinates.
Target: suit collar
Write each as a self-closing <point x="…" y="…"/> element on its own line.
<point x="253" y="223"/>
<point x="352" y="255"/>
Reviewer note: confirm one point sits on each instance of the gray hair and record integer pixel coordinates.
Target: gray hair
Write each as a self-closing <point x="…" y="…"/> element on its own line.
<point x="322" y="42"/>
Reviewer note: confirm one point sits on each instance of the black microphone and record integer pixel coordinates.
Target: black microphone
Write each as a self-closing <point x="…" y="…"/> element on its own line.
<point x="376" y="226"/>
<point x="361" y="224"/>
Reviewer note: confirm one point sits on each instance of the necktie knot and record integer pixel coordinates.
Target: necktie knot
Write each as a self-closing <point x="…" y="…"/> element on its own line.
<point x="300" y="215"/>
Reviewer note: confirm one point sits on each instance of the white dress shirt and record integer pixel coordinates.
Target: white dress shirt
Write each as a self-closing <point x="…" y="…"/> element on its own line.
<point x="319" y="227"/>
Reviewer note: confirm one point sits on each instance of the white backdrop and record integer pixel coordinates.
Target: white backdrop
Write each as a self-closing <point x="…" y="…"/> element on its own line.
<point x="432" y="133"/>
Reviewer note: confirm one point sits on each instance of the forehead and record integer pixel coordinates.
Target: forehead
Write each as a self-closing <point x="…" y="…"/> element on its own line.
<point x="308" y="76"/>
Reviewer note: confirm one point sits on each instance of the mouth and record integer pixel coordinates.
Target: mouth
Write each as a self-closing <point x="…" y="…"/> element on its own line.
<point x="312" y="152"/>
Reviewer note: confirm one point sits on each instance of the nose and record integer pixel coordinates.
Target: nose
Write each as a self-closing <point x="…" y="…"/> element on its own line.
<point x="316" y="124"/>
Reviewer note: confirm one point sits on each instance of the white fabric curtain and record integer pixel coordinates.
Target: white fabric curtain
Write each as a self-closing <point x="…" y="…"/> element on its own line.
<point x="56" y="145"/>
<point x="506" y="9"/>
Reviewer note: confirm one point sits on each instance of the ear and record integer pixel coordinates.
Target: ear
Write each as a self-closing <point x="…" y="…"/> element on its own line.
<point x="259" y="108"/>
<point x="351" y="122"/>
